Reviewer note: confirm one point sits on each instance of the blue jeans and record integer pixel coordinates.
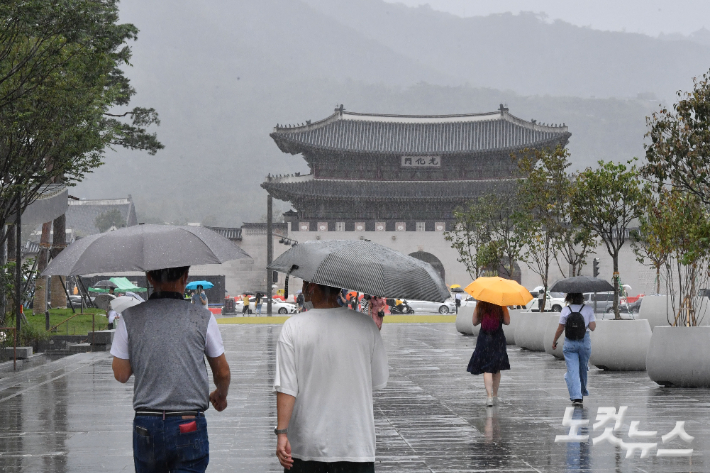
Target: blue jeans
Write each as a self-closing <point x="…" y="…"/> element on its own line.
<point x="258" y="308"/>
<point x="159" y="447"/>
<point x="577" y="354"/>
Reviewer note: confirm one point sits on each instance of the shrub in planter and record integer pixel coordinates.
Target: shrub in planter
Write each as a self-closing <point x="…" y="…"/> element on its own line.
<point x="620" y="345"/>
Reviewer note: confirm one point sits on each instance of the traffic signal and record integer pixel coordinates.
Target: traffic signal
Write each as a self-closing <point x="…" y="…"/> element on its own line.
<point x="595" y="266"/>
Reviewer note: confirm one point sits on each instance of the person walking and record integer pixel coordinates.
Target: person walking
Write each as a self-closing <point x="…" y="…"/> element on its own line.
<point x="377" y="310"/>
<point x="163" y="343"/>
<point x="457" y="298"/>
<point x="200" y="298"/>
<point x="577" y="321"/>
<point x="111" y="315"/>
<point x="300" y="302"/>
<point x="490" y="356"/>
<point x="257" y="302"/>
<point x="245" y="305"/>
<point x="328" y="362"/>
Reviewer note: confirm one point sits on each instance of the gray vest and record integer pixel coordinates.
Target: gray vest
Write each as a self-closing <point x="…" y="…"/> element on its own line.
<point x="166" y="343"/>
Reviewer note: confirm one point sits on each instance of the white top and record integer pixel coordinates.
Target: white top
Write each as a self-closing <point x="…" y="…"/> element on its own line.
<point x="112" y="314"/>
<point x="331" y="360"/>
<point x="587" y="313"/>
<point x="214" y="346"/>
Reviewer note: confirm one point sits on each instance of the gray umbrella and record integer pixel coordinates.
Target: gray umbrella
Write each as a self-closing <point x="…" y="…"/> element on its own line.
<point x="363" y="266"/>
<point x="581" y="284"/>
<point x="103" y="301"/>
<point x="143" y="248"/>
<point x="105" y="283"/>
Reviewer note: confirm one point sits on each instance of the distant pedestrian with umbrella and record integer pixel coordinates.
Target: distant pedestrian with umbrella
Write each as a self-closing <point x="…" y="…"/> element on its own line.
<point x="376" y="309"/>
<point x="577" y="321"/>
<point x="490" y="356"/>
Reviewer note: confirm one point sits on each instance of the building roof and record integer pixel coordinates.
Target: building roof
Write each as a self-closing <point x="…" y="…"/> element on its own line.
<point x="234" y="234"/>
<point x="418" y="134"/>
<point x="81" y="214"/>
<point x="305" y="187"/>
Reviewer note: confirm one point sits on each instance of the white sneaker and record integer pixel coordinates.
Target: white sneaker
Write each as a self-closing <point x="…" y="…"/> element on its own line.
<point x="495" y="400"/>
<point x="489" y="403"/>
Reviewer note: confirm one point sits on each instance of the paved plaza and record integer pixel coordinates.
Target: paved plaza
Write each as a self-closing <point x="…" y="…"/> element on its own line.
<point x="71" y="416"/>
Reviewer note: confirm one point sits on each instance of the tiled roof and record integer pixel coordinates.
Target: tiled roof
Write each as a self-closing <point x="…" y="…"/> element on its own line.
<point x="229" y="233"/>
<point x="81" y="214"/>
<point x="416" y="135"/>
<point x="306" y="187"/>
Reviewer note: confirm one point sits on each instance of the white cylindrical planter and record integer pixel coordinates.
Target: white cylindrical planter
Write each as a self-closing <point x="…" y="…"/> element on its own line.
<point x="509" y="330"/>
<point x="653" y="309"/>
<point x="678" y="356"/>
<point x="620" y="345"/>
<point x="530" y="332"/>
<point x="549" y="337"/>
<point x="464" y="319"/>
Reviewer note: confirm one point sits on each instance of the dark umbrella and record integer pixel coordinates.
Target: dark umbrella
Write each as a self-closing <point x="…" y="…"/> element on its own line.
<point x="143" y="248"/>
<point x="363" y="266"/>
<point x="105" y="283"/>
<point x="103" y="301"/>
<point x="457" y="289"/>
<point x="581" y="284"/>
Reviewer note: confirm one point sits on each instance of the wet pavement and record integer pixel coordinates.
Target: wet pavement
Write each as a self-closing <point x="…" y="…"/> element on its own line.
<point x="71" y="416"/>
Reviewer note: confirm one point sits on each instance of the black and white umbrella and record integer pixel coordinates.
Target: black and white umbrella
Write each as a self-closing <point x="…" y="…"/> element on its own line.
<point x="365" y="267"/>
<point x="143" y="248"/>
<point x="581" y="284"/>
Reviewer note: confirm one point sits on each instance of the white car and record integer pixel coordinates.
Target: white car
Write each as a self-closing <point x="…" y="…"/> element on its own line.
<point x="277" y="307"/>
<point x="555" y="302"/>
<point x="423" y="307"/>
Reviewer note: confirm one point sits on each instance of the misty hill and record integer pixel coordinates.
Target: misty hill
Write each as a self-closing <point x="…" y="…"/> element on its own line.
<point x="223" y="73"/>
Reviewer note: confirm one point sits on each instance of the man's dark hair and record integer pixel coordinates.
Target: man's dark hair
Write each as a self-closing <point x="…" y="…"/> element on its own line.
<point x="168" y="274"/>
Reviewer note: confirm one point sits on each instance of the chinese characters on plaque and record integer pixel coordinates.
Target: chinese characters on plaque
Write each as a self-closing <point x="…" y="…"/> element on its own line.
<point x="421" y="161"/>
<point x="609" y="423"/>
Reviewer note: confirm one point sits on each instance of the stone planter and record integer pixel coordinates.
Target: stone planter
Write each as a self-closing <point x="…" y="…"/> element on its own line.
<point x="678" y="356"/>
<point x="620" y="345"/>
<point x="657" y="310"/>
<point x="552" y="325"/>
<point x="530" y="331"/>
<point x="509" y="330"/>
<point x="464" y="320"/>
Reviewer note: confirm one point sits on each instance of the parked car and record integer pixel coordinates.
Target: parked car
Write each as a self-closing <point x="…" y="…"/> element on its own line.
<point x="277" y="306"/>
<point x="76" y="300"/>
<point x="446" y="307"/>
<point x="554" y="303"/>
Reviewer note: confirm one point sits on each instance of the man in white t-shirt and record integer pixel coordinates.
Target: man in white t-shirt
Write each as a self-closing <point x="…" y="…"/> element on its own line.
<point x="328" y="362"/>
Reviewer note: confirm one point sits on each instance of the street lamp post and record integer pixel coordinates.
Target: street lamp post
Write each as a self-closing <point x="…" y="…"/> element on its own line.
<point x="269" y="252"/>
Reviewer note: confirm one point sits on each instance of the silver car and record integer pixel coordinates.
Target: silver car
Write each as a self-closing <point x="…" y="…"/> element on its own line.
<point x="424" y="307"/>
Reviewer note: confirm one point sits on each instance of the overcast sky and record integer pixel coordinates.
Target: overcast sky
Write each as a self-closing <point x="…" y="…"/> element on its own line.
<point x="636" y="16"/>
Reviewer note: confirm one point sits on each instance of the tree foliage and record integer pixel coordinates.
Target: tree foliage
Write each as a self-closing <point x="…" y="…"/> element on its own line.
<point x="679" y="151"/>
<point x="606" y="200"/>
<point x="60" y="80"/>
<point x="108" y="219"/>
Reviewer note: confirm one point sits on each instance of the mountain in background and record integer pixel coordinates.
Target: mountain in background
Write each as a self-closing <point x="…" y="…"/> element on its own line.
<point x="223" y="73"/>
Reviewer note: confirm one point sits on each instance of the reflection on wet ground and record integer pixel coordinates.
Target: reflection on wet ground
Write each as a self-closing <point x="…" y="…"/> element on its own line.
<point x="71" y="416"/>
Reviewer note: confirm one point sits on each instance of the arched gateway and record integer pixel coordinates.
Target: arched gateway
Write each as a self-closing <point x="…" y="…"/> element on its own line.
<point x="432" y="260"/>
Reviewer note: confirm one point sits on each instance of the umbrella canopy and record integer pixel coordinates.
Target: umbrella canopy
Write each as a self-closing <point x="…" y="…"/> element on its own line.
<point x="105" y="283"/>
<point x="124" y="285"/>
<point x="122" y="303"/>
<point x="499" y="291"/>
<point x="103" y="301"/>
<point x="365" y="267"/>
<point x="205" y="285"/>
<point x="581" y="284"/>
<point x="143" y="248"/>
<point x="457" y="289"/>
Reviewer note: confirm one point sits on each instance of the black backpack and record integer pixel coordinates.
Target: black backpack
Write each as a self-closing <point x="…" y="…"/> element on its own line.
<point x="575" y="328"/>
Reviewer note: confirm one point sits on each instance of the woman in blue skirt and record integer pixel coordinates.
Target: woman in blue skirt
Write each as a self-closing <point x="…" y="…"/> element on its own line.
<point x="490" y="356"/>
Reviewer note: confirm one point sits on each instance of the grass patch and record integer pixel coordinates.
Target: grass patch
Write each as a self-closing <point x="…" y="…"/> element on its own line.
<point x="79" y="325"/>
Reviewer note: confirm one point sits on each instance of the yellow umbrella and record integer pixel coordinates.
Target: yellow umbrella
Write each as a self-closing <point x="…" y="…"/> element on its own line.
<point x="499" y="291"/>
<point x="453" y="286"/>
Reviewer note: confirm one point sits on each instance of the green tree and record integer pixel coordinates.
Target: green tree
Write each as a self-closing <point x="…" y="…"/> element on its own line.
<point x="60" y="80"/>
<point x="108" y="219"/>
<point x="679" y="151"/>
<point x="605" y="201"/>
<point x="469" y="237"/>
<point x="649" y="241"/>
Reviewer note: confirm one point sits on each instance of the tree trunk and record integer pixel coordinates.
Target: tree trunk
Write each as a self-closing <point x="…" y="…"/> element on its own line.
<point x="39" y="305"/>
<point x="3" y="261"/>
<point x="59" y="297"/>
<point x="615" y="257"/>
<point x="658" y="279"/>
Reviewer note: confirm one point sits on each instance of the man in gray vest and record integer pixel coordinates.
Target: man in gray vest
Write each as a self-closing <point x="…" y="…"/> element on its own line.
<point x="163" y="342"/>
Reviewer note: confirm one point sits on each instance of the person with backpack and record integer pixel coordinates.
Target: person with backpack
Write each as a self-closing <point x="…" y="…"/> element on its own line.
<point x="576" y="321"/>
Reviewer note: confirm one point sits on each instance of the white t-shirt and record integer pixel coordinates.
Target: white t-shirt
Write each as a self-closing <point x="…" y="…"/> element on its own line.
<point x="112" y="314"/>
<point x="331" y="360"/>
<point x="214" y="346"/>
<point x="587" y="313"/>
